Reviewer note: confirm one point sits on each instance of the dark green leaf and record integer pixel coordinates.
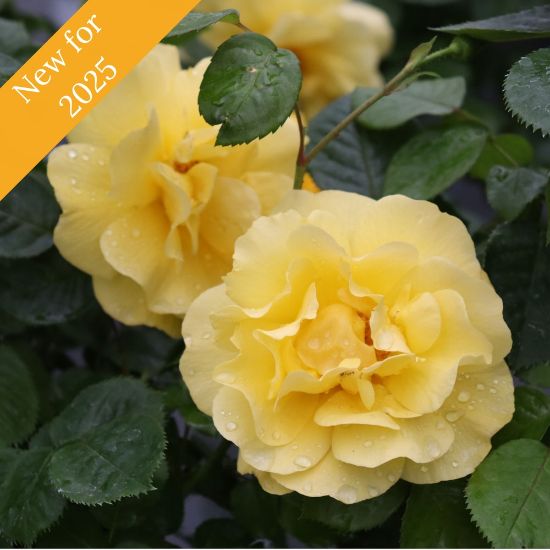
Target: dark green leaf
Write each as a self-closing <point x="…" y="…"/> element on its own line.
<point x="509" y="150"/>
<point x="527" y="24"/>
<point x="509" y="495"/>
<point x="101" y="403"/>
<point x="426" y="97"/>
<point x="112" y="442"/>
<point x="434" y="160"/>
<point x="27" y="218"/>
<point x="527" y="89"/>
<point x="510" y="190"/>
<point x="28" y="503"/>
<point x="436" y="517"/>
<point x="531" y="417"/>
<point x="196" y="22"/>
<point x="112" y="461"/>
<point x="251" y="88"/>
<point x="18" y="398"/>
<point x="518" y="263"/>
<point x="44" y="291"/>
<point x="539" y="375"/>
<point x="177" y="397"/>
<point x="13" y="36"/>
<point x="8" y="66"/>
<point x="355" y="517"/>
<point x="356" y="161"/>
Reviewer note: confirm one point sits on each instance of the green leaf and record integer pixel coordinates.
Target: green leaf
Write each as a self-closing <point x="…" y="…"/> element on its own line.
<point x="177" y="397"/>
<point x="13" y="36"/>
<point x="527" y="88"/>
<point x="351" y="518"/>
<point x="44" y="291"/>
<point x="425" y="97"/>
<point x="539" y="375"/>
<point x="112" y="441"/>
<point x="112" y="461"/>
<point x="434" y="160"/>
<point x="18" y="399"/>
<point x="518" y="263"/>
<point x="196" y="22"/>
<point x="8" y="67"/>
<point x="27" y="218"/>
<point x="531" y="417"/>
<point x="356" y="160"/>
<point x="509" y="150"/>
<point x="101" y="403"/>
<point x="509" y="495"/>
<point x="251" y="88"/>
<point x="510" y="190"/>
<point x="436" y="517"/>
<point x="526" y="24"/>
<point x="28" y="502"/>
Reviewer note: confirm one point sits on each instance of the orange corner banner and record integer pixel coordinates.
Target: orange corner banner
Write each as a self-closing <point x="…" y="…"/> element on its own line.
<point x="72" y="73"/>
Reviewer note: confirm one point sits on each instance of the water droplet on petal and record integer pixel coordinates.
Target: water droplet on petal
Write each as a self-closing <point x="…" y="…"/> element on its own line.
<point x="231" y="426"/>
<point x="207" y="336"/>
<point x="85" y="157"/>
<point x="308" y="487"/>
<point x="347" y="494"/>
<point x="314" y="343"/>
<point x="225" y="378"/>
<point x="480" y="387"/>
<point x="463" y="396"/>
<point x="373" y="492"/>
<point x="136" y="233"/>
<point x="423" y="469"/>
<point x="454" y="464"/>
<point x="72" y="154"/>
<point x="302" y="462"/>
<point x="492" y="390"/>
<point x="453" y="416"/>
<point x="367" y="443"/>
<point x="433" y="449"/>
<point x="276" y="436"/>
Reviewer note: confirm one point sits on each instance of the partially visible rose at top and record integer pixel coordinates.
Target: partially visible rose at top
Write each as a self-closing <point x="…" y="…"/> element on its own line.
<point x="339" y="43"/>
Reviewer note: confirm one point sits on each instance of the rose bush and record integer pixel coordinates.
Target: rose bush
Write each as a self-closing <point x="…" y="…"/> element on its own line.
<point x="339" y="43"/>
<point x="354" y="343"/>
<point x="151" y="208"/>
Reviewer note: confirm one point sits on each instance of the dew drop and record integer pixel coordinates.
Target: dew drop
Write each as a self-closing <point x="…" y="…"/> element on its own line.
<point x="225" y="378"/>
<point x="302" y="462"/>
<point x="192" y="372"/>
<point x="72" y="154"/>
<point x="276" y="436"/>
<point x="180" y="301"/>
<point x="367" y="443"/>
<point x="463" y="396"/>
<point x="433" y="449"/>
<point x="440" y="424"/>
<point x="453" y="416"/>
<point x="391" y="478"/>
<point x="101" y="162"/>
<point x="294" y="447"/>
<point x="454" y="464"/>
<point x="207" y="336"/>
<point x="231" y="426"/>
<point x="480" y="387"/>
<point x="314" y="343"/>
<point x="492" y="390"/>
<point x="347" y="494"/>
<point x="423" y="469"/>
<point x="136" y="233"/>
<point x="85" y="157"/>
<point x="308" y="487"/>
<point x="73" y="181"/>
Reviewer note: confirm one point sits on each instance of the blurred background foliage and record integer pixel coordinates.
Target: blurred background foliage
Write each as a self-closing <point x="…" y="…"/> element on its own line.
<point x="56" y="342"/>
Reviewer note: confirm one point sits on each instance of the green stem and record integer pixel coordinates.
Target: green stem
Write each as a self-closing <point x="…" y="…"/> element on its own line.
<point x="388" y="89"/>
<point x="301" y="163"/>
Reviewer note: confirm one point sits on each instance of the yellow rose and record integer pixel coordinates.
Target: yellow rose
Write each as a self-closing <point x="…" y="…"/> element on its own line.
<point x="339" y="43"/>
<point x="151" y="208"/>
<point x="354" y="343"/>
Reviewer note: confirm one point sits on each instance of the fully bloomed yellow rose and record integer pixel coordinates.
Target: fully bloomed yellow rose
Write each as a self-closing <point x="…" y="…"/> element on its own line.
<point x="151" y="208"/>
<point x="354" y="343"/>
<point x="339" y="42"/>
